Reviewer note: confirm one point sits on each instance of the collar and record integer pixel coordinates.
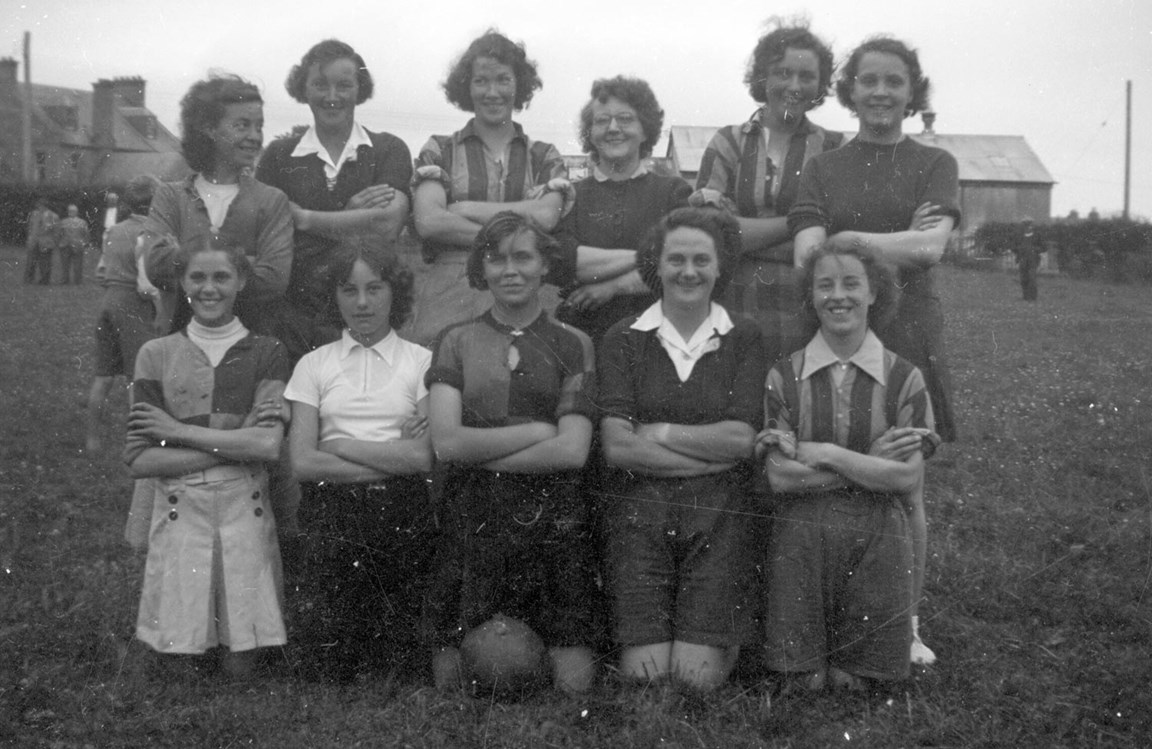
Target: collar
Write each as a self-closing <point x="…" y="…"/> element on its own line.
<point x="599" y="175"/>
<point x="385" y="348"/>
<point x="508" y="329"/>
<point x="755" y="124"/>
<point x="869" y="357"/>
<point x="310" y="144"/>
<point x="718" y="320"/>
<point x="468" y="131"/>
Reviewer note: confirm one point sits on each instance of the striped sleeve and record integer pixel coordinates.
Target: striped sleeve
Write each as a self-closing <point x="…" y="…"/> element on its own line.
<point x="429" y="164"/>
<point x="147" y="387"/>
<point x="578" y="388"/>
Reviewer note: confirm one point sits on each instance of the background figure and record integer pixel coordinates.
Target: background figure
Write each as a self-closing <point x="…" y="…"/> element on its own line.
<point x="41" y="244"/>
<point x="682" y="397"/>
<point x="615" y="206"/>
<point x="1028" y="251"/>
<point x="359" y="439"/>
<point x="111" y="214"/>
<point x="341" y="179"/>
<point x="464" y="179"/>
<point x="73" y="238"/>
<point x="129" y="307"/>
<point x="753" y="169"/>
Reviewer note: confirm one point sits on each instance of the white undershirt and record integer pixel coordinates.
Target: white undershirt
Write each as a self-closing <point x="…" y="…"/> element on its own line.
<point x="216" y="199"/>
<point x="215" y="342"/>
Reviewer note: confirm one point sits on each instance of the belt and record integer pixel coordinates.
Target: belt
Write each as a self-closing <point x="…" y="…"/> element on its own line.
<point x="217" y="473"/>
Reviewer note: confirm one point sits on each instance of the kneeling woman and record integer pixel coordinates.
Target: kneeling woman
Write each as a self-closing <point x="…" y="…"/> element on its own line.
<point x="850" y="423"/>
<point x="511" y="409"/>
<point x="205" y="422"/>
<point x="682" y="390"/>
<point x="359" y="431"/>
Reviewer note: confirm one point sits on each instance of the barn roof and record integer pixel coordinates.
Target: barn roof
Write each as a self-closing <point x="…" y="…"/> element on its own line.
<point x="981" y="158"/>
<point x="118" y="168"/>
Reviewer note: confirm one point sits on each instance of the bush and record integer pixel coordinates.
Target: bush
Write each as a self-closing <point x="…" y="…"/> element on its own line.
<point x="1114" y="249"/>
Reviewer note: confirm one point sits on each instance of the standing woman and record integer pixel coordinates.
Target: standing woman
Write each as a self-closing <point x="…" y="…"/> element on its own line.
<point x="615" y="206"/>
<point x="360" y="433"/>
<point x="464" y="179"/>
<point x="511" y="418"/>
<point x="866" y="194"/>
<point x="206" y="419"/>
<point x="753" y="169"/>
<point x="681" y="386"/>
<point x="340" y="178"/>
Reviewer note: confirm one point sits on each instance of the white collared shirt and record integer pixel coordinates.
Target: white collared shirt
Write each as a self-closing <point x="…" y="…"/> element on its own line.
<point x="685" y="354"/>
<point x="869" y="358"/>
<point x="310" y="143"/>
<point x="362" y="393"/>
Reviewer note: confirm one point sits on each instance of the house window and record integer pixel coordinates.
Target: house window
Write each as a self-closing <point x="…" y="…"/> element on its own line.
<point x="41" y="166"/>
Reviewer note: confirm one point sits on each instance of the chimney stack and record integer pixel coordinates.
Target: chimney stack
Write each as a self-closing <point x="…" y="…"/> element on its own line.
<point x="103" y="108"/>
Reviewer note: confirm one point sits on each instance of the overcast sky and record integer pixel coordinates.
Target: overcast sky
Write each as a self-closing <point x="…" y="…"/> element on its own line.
<point x="1050" y="70"/>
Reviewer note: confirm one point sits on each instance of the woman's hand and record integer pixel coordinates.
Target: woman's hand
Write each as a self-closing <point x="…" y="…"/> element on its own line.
<point x="898" y="443"/>
<point x="781" y="439"/>
<point x="926" y="217"/>
<point x="414" y="427"/>
<point x="146" y="420"/>
<point x="591" y="296"/>
<point x="266" y="413"/>
<point x="373" y="196"/>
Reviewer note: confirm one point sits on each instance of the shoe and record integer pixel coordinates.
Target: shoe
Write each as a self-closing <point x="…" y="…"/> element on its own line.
<point x="921" y="654"/>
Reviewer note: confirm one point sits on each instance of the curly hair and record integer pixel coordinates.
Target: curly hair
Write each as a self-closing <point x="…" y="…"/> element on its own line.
<point x="210" y="242"/>
<point x="321" y="54"/>
<point x="771" y="49"/>
<point x="500" y="227"/>
<point x="890" y="46"/>
<point x="138" y="193"/>
<point x="382" y="261"/>
<point x="720" y="225"/>
<point x="881" y="281"/>
<point x="636" y="93"/>
<point x="202" y="108"/>
<point x="493" y="44"/>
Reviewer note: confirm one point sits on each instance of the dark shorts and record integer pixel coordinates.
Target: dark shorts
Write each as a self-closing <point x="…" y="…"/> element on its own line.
<point x="681" y="560"/>
<point x="518" y="545"/>
<point x="123" y="325"/>
<point x="840" y="585"/>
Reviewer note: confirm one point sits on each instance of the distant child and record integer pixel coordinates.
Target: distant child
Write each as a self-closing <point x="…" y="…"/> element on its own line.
<point x="207" y="418"/>
<point x="129" y="308"/>
<point x="849" y="425"/>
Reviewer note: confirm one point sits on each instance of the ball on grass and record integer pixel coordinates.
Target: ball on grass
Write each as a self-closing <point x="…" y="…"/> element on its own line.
<point x="504" y="656"/>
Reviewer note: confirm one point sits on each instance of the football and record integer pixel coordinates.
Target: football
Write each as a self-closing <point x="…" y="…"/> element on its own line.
<point x="505" y="657"/>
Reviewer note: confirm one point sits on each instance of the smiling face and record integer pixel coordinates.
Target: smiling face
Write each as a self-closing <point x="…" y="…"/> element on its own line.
<point x="238" y="137"/>
<point x="792" y="85"/>
<point x="515" y="270"/>
<point x="881" y="92"/>
<point x="332" y="91"/>
<point x="617" y="133"/>
<point x="365" y="302"/>
<point x="493" y="90"/>
<point x="211" y="283"/>
<point x="689" y="267"/>
<point x="842" y="295"/>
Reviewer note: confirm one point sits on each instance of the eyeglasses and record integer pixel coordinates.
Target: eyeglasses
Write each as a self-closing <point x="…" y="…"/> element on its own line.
<point x="625" y="119"/>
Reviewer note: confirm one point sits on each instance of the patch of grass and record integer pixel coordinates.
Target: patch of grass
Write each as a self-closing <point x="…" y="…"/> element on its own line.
<point x="1038" y="584"/>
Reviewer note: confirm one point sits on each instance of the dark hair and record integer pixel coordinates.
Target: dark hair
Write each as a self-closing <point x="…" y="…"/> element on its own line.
<point x="634" y="92"/>
<point x="771" y="49"/>
<point x="321" y="54"/>
<point x="138" y="193"/>
<point x="717" y="224"/>
<point x="458" y="86"/>
<point x="382" y="261"/>
<point x="209" y="243"/>
<point x="880" y="281"/>
<point x="503" y="225"/>
<point x="890" y="46"/>
<point x="202" y="108"/>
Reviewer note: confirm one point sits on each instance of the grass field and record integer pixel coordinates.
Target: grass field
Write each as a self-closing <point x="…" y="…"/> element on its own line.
<point x="1039" y="583"/>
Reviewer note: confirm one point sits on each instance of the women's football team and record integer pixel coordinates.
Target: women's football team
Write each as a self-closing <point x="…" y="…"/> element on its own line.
<point x="679" y="431"/>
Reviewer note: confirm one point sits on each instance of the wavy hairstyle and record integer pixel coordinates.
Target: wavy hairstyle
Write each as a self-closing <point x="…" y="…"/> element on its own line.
<point x="382" y="261"/>
<point x="890" y="46"/>
<point x="458" y="86"/>
<point x="209" y="243"/>
<point x="138" y="193"/>
<point x="202" y="108"/>
<point x="880" y="280"/>
<point x="636" y="93"/>
<point x="321" y="54"/>
<point x="771" y="49"/>
<point x="500" y="227"/>
<point x="720" y="225"/>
